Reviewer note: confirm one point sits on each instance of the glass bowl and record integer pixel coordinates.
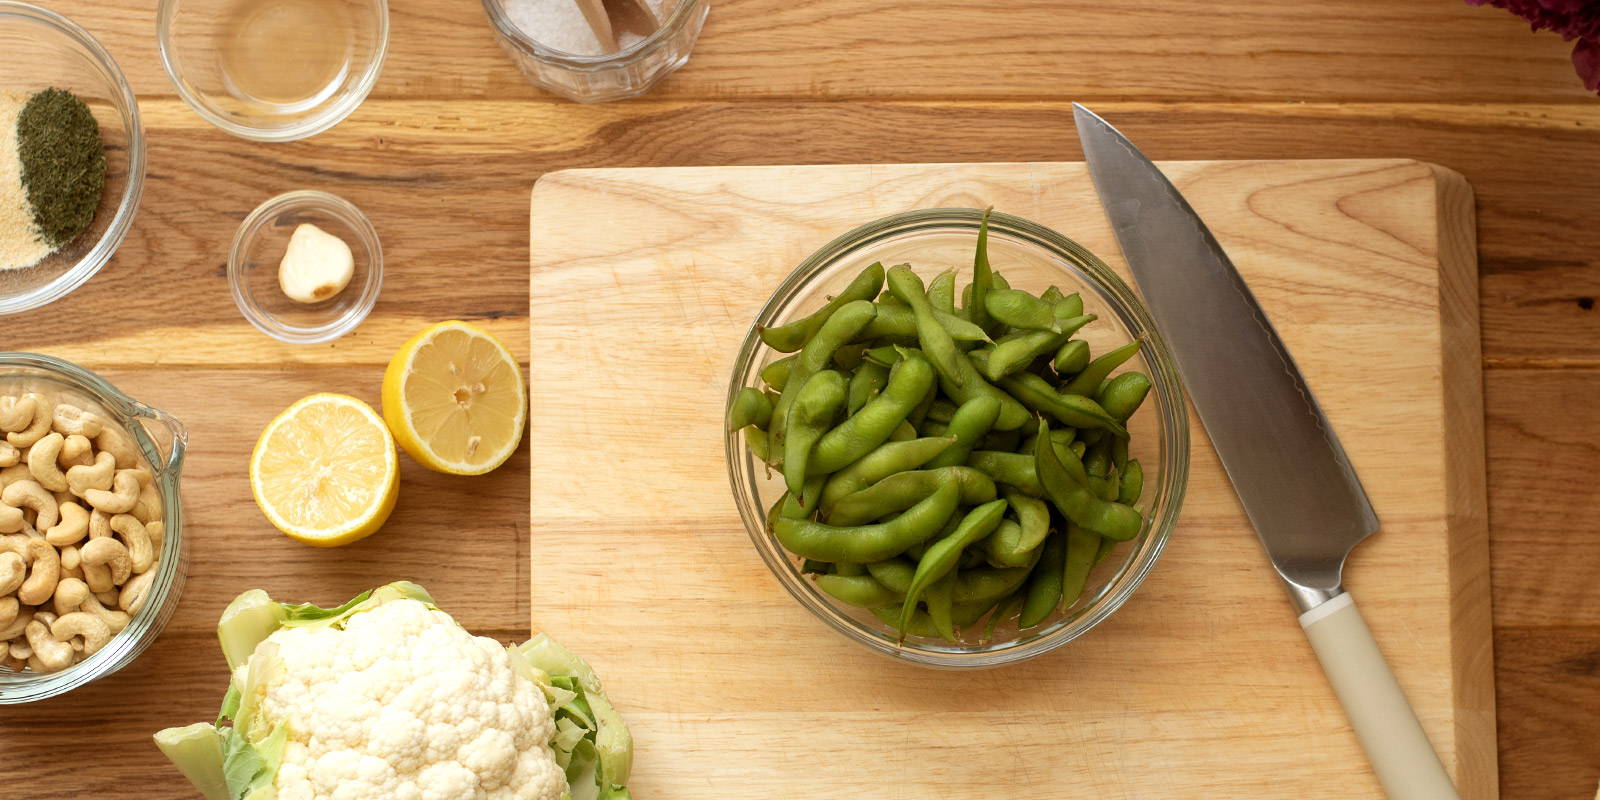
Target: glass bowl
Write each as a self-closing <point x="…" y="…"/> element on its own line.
<point x="629" y="72"/>
<point x="259" y="245"/>
<point x="44" y="49"/>
<point x="151" y="431"/>
<point x="273" y="70"/>
<point x="1031" y="257"/>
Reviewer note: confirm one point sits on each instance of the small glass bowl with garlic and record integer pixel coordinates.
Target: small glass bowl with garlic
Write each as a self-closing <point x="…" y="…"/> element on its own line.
<point x="145" y="558"/>
<point x="258" y="279"/>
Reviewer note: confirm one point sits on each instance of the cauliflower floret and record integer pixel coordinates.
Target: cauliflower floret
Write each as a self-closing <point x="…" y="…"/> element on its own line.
<point x="404" y="703"/>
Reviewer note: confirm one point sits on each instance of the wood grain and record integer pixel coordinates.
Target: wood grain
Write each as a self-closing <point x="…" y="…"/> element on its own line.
<point x="1345" y="255"/>
<point x="443" y="155"/>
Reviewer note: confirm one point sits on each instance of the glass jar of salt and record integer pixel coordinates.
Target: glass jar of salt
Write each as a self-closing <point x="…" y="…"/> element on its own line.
<point x="597" y="50"/>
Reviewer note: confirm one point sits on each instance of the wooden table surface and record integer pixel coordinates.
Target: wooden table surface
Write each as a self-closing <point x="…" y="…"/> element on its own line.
<point x="442" y="156"/>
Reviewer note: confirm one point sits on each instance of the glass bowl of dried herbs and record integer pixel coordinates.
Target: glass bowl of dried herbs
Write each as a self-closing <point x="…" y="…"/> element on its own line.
<point x="71" y="156"/>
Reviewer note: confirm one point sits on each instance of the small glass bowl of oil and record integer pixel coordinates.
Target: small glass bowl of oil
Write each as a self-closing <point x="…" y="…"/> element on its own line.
<point x="273" y="70"/>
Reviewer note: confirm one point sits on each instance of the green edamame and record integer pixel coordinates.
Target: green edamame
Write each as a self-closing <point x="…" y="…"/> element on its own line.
<point x="982" y="278"/>
<point x="1072" y="358"/>
<point x="905" y="489"/>
<point x="1012" y="469"/>
<point x="988" y="585"/>
<point x="868" y="380"/>
<point x="1122" y="395"/>
<point x="1076" y="502"/>
<point x="1069" y="306"/>
<point x="1081" y="549"/>
<point x="1020" y="310"/>
<point x="776" y="374"/>
<point x="794" y="335"/>
<point x="970" y="422"/>
<point x="749" y="407"/>
<point x="860" y="590"/>
<point x="938" y="601"/>
<point x="1043" y="593"/>
<point x="894" y="573"/>
<point x="815" y="406"/>
<point x="1012" y="544"/>
<point x="942" y="292"/>
<point x="756" y="439"/>
<point x="888" y="459"/>
<point x="1068" y="409"/>
<point x="867" y="543"/>
<point x="941" y="411"/>
<point x="899" y="323"/>
<point x="1132" y="484"/>
<point x="943" y="555"/>
<point x="836" y="330"/>
<point x="1005" y="610"/>
<point x="959" y="378"/>
<point x="1088" y="381"/>
<point x="909" y="383"/>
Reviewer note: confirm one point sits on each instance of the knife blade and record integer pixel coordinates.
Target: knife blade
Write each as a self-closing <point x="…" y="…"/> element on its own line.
<point x="1292" y="476"/>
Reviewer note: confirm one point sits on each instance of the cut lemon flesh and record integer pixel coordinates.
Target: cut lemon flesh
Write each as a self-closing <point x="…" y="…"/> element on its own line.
<point x="325" y="472"/>
<point x="455" y="400"/>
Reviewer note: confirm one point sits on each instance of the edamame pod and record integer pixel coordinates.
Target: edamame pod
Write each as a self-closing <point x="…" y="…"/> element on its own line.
<point x="982" y="278"/>
<point x="814" y="357"/>
<point x="909" y="383"/>
<point x="970" y="422"/>
<point x="756" y="439"/>
<point x="942" y="292"/>
<point x="794" y="335"/>
<point x="1088" y="381"/>
<point x="958" y="377"/>
<point x="749" y="407"/>
<point x="815" y="406"/>
<point x="1069" y="409"/>
<point x="898" y="322"/>
<point x="1013" y="545"/>
<point x="905" y="489"/>
<point x="861" y="590"/>
<point x="943" y="555"/>
<point x="1132" y="484"/>
<point x="988" y="585"/>
<point x="868" y="380"/>
<point x="1072" y="358"/>
<point x="1012" y="469"/>
<point x="776" y="374"/>
<point x="1021" y="310"/>
<point x="894" y="573"/>
<point x="889" y="458"/>
<point x="1043" y="593"/>
<point x="938" y="601"/>
<point x="1077" y="503"/>
<point x="1081" y="549"/>
<point x="868" y="543"/>
<point x="1122" y="395"/>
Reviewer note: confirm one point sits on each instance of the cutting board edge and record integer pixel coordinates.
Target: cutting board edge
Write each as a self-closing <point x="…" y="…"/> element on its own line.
<point x="1461" y="367"/>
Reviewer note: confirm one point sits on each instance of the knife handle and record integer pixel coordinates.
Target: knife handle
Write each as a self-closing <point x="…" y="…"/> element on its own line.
<point x="1405" y="762"/>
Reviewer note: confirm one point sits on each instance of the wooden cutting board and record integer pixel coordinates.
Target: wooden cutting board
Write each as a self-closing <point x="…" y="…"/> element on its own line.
<point x="645" y="281"/>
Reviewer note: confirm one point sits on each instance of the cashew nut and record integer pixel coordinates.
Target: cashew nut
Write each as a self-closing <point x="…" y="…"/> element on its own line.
<point x="157" y="532"/>
<point x="108" y="597"/>
<point x="114" y="441"/>
<point x="98" y="576"/>
<point x="16" y="412"/>
<point x="15" y="472"/>
<point x="121" y="499"/>
<point x="134" y="592"/>
<point x="95" y="631"/>
<point x="76" y="450"/>
<point x="18" y="648"/>
<point x="43" y="574"/>
<point x="9" y="455"/>
<point x="29" y="494"/>
<point x="13" y="570"/>
<point x="52" y="655"/>
<point x="69" y="559"/>
<point x="42" y="457"/>
<point x="137" y="541"/>
<point x="98" y="475"/>
<point x="109" y="553"/>
<point x="115" y="620"/>
<point x="8" y="610"/>
<point x="15" y="543"/>
<point x="18" y="624"/>
<point x="148" y="506"/>
<point x="14" y="664"/>
<point x="68" y="418"/>
<point x="74" y="525"/>
<point x="70" y="594"/>
<point x="99" y="524"/>
<point x="37" y="427"/>
<point x="10" y="518"/>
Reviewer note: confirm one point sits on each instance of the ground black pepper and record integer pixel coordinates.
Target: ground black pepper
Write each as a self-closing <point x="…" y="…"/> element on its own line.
<point x="63" y="163"/>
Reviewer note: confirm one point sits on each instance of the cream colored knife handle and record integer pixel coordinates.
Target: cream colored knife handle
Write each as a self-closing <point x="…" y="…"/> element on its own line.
<point x="1405" y="762"/>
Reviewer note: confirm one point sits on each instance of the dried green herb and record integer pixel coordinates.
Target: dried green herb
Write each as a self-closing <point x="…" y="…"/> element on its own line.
<point x="63" y="163"/>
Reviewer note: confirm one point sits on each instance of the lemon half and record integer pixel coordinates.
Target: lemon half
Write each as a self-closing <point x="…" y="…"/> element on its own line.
<point x="454" y="398"/>
<point x="325" y="472"/>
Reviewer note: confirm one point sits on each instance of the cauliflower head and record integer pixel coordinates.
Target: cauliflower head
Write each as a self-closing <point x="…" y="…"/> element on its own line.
<point x="389" y="697"/>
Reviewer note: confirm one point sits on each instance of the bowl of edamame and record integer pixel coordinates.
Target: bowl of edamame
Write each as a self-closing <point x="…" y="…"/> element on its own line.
<point x="957" y="438"/>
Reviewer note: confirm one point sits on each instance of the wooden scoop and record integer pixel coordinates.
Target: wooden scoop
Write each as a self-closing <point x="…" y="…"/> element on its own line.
<point x="594" y="11"/>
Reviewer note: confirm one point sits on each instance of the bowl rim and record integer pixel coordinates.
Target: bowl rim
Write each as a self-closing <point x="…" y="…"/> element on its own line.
<point x="661" y="37"/>
<point x="330" y="113"/>
<point x="166" y="589"/>
<point x="1174" y="444"/>
<point x="347" y="213"/>
<point x="127" y="105"/>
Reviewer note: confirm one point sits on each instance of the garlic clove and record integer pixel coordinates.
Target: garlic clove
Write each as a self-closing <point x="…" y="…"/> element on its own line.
<point x="316" y="266"/>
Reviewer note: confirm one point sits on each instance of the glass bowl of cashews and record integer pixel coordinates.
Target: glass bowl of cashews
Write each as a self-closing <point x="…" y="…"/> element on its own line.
<point x="91" y="545"/>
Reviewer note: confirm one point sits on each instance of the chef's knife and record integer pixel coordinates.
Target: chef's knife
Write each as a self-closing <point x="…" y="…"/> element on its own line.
<point x="1291" y="474"/>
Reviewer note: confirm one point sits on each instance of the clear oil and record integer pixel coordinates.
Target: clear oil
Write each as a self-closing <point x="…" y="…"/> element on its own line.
<point x="286" y="53"/>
